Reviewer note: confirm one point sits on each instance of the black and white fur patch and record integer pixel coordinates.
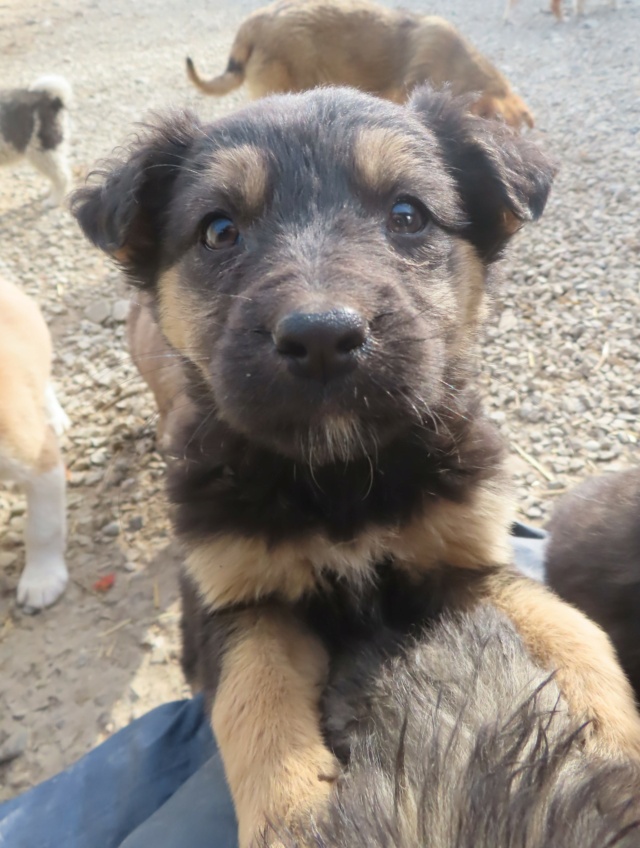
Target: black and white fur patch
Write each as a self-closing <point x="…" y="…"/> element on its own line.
<point x="34" y="126"/>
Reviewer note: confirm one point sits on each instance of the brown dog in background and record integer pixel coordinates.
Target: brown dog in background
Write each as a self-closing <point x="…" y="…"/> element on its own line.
<point x="161" y="368"/>
<point x="294" y="46"/>
<point x="593" y="559"/>
<point x="323" y="263"/>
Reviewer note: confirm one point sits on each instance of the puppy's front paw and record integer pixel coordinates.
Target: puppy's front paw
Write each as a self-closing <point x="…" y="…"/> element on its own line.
<point x="41" y="586"/>
<point x="298" y="795"/>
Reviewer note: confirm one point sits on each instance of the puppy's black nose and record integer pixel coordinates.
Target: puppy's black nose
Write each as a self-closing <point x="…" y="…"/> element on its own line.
<point x="321" y="345"/>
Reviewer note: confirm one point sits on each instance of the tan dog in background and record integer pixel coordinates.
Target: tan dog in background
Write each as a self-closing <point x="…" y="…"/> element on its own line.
<point x="30" y="421"/>
<point x="293" y="46"/>
<point x="160" y="366"/>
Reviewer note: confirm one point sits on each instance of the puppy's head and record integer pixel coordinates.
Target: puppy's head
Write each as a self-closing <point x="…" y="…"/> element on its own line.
<point x="320" y="258"/>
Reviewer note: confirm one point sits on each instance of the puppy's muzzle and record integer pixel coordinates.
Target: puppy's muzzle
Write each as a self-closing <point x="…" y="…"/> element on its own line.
<point x="321" y="345"/>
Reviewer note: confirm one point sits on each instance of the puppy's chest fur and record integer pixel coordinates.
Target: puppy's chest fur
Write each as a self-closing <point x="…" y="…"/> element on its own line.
<point x="258" y="526"/>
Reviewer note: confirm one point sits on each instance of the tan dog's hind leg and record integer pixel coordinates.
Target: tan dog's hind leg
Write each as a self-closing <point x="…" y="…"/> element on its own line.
<point x="563" y="639"/>
<point x="266" y="720"/>
<point x="265" y="75"/>
<point x="507" y="10"/>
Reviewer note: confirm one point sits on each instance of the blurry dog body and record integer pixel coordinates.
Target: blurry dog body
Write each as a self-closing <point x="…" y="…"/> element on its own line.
<point x="34" y="126"/>
<point x="293" y="46"/>
<point x="556" y="8"/>
<point x="459" y="740"/>
<point x="161" y="368"/>
<point x="593" y="559"/>
<point x="30" y="421"/>
<point x="322" y="263"/>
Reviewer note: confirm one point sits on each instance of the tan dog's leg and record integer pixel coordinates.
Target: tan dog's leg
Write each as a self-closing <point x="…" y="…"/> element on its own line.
<point x="507" y="10"/>
<point x="556" y="9"/>
<point x="266" y="720"/>
<point x="587" y="671"/>
<point x="45" y="574"/>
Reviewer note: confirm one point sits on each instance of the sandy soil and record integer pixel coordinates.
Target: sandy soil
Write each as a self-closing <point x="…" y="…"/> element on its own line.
<point x="561" y="364"/>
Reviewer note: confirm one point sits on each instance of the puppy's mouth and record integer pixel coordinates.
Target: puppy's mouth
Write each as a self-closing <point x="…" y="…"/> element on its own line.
<point x="319" y="388"/>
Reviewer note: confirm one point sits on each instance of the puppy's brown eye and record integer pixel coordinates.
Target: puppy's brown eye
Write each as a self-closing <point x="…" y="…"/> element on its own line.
<point x="407" y="217"/>
<point x="220" y="232"/>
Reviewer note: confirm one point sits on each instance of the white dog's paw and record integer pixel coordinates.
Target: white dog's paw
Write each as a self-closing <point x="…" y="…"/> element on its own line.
<point x="58" y="418"/>
<point x="40" y="587"/>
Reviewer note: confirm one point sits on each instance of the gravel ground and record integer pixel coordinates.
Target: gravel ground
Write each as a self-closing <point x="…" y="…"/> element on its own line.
<point x="560" y="367"/>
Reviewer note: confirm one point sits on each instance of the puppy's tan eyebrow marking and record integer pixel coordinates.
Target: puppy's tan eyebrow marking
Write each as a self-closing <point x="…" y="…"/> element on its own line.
<point x="382" y="158"/>
<point x="242" y="174"/>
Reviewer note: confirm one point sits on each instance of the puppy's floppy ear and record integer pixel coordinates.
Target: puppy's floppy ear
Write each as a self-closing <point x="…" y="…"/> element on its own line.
<point x="124" y="213"/>
<point x="503" y="179"/>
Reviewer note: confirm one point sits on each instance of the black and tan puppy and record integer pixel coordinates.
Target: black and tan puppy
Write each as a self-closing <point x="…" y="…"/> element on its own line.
<point x="459" y="740"/>
<point x="321" y="262"/>
<point x="593" y="559"/>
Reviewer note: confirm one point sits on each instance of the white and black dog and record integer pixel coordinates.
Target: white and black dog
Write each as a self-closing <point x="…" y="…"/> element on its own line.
<point x="34" y="126"/>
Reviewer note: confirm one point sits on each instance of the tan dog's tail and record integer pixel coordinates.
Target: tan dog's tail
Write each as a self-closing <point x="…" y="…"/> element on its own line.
<point x="233" y="77"/>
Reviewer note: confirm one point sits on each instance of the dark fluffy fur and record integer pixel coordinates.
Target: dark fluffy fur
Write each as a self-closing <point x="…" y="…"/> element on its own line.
<point x="459" y="740"/>
<point x="593" y="559"/>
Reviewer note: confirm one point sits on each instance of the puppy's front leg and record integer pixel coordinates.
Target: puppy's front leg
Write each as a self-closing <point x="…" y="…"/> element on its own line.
<point x="588" y="674"/>
<point x="266" y="719"/>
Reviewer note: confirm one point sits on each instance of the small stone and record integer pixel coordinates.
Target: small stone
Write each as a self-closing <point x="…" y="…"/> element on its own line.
<point x="554" y="485"/>
<point x="159" y="655"/>
<point x="572" y="405"/>
<point x="99" y="457"/>
<point x="120" y="311"/>
<point x="111" y="529"/>
<point x="8" y="558"/>
<point x="14" y="746"/>
<point x="508" y="321"/>
<point x="98" y="311"/>
<point x="533" y="512"/>
<point x="136" y="523"/>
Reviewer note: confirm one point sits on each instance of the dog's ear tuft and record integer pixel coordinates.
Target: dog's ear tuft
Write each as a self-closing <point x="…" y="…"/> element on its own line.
<point x="123" y="212"/>
<point x="503" y="178"/>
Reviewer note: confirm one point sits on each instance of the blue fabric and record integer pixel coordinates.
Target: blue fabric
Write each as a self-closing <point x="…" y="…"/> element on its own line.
<point x="158" y="783"/>
<point x="529" y="547"/>
<point x="103" y="797"/>
<point x="200" y="814"/>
